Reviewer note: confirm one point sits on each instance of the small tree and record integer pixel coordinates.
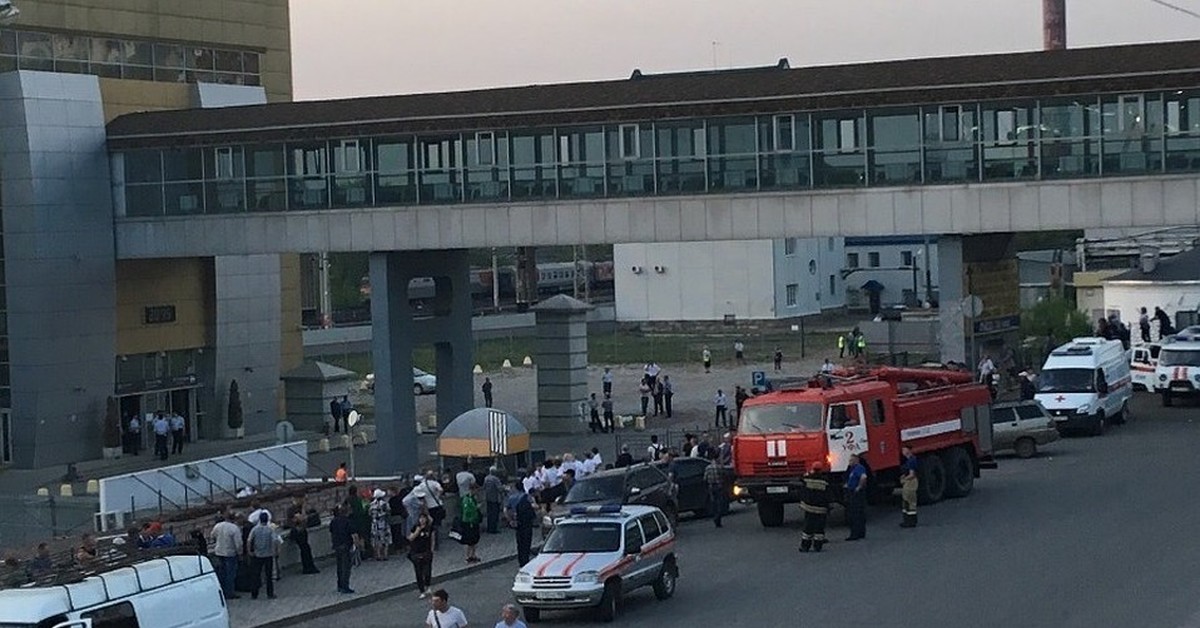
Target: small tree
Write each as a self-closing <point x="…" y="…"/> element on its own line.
<point x="234" y="415"/>
<point x="1053" y="320"/>
<point x="112" y="424"/>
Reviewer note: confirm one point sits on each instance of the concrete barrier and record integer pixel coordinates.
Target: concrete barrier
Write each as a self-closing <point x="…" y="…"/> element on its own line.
<point x="93" y="487"/>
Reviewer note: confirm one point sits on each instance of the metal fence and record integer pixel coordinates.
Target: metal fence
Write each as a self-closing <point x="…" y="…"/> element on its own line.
<point x="26" y="521"/>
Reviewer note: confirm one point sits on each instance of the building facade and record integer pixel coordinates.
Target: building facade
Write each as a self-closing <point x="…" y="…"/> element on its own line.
<point x="738" y="279"/>
<point x="78" y="325"/>
<point x="902" y="269"/>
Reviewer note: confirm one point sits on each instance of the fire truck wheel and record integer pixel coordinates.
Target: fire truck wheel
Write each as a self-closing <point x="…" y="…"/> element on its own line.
<point x="960" y="472"/>
<point x="770" y="513"/>
<point x="931" y="487"/>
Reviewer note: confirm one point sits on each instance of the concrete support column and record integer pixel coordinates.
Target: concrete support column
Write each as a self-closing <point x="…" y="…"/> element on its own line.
<point x="562" y="360"/>
<point x="397" y="330"/>
<point x="951" y="320"/>
<point x="391" y="352"/>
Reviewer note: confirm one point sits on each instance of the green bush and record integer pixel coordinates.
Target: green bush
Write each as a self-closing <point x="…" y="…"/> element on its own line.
<point x="1055" y="318"/>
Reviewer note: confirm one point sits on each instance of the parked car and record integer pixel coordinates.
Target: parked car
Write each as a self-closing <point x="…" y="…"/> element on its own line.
<point x="596" y="556"/>
<point x="642" y="484"/>
<point x="691" y="490"/>
<point x="1022" y="427"/>
<point x="423" y="383"/>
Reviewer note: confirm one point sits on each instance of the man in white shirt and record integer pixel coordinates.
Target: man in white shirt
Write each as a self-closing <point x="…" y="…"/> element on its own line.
<point x="510" y="617"/>
<point x="162" y="428"/>
<point x="442" y="615"/>
<point x="258" y="511"/>
<point x="225" y="542"/>
<point x="986" y="368"/>
<point x="595" y="456"/>
<point x="589" y="463"/>
<point x="827" y="367"/>
<point x="532" y="484"/>
<point x="177" y="433"/>
<point x="465" y="479"/>
<point x="569" y="463"/>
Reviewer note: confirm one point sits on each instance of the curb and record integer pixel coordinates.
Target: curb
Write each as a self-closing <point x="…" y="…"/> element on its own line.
<point x="371" y="598"/>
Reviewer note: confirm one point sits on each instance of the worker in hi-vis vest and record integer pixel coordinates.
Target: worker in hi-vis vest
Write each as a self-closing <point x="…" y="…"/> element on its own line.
<point x="841" y="345"/>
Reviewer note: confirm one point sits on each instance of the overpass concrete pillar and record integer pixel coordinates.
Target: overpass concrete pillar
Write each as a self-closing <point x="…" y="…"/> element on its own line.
<point x="984" y="266"/>
<point x="398" y="328"/>
<point x="951" y="322"/>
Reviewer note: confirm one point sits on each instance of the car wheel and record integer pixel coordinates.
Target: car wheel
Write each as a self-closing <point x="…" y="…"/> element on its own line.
<point x="1101" y="425"/>
<point x="931" y="487"/>
<point x="418" y="390"/>
<point x="664" y="586"/>
<point x="770" y="513"/>
<point x="532" y="615"/>
<point x="610" y="602"/>
<point x="1025" y="447"/>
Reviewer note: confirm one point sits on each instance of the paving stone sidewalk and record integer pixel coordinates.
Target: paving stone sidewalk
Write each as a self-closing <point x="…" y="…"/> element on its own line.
<point x="304" y="597"/>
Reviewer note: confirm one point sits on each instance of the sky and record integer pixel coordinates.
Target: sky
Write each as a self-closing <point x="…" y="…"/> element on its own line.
<point x="347" y="48"/>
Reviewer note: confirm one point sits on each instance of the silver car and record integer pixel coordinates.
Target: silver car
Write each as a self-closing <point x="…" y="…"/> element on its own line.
<point x="1022" y="427"/>
<point x="595" y="556"/>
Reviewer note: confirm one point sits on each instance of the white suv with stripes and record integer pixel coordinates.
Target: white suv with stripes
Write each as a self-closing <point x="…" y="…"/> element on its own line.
<point x="595" y="556"/>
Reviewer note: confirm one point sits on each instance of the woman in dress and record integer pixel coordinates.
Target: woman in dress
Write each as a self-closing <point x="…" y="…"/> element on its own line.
<point x="469" y="524"/>
<point x="381" y="524"/>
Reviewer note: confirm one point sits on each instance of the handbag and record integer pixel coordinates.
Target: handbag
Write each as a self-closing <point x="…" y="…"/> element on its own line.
<point x="456" y="530"/>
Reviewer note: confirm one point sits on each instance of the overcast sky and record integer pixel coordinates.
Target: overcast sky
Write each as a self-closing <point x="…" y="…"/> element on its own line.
<point x="344" y="48"/>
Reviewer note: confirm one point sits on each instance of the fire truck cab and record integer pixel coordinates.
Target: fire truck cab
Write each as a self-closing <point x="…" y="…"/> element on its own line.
<point x="943" y="415"/>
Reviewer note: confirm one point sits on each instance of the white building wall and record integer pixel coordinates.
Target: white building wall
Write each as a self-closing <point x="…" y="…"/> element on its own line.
<point x="694" y="280"/>
<point x="809" y="267"/>
<point x="1127" y="297"/>
<point x="895" y="281"/>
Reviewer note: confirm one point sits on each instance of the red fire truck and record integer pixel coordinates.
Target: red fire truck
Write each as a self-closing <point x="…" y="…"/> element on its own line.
<point x="942" y="414"/>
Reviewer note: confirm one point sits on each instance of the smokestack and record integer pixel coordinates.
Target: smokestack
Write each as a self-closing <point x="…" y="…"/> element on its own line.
<point x="1054" y="24"/>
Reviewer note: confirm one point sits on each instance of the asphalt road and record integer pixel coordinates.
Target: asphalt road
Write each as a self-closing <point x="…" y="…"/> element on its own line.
<point x="1095" y="532"/>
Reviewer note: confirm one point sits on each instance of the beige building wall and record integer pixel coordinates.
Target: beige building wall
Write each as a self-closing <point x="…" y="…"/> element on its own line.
<point x="291" y="345"/>
<point x="253" y="24"/>
<point x="186" y="284"/>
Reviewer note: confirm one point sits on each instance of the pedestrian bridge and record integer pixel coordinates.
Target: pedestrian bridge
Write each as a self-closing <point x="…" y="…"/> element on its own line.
<point x="1144" y="202"/>
<point x="1068" y="139"/>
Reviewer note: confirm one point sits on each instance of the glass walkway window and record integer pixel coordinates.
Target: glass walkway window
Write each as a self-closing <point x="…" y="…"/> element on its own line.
<point x="122" y="57"/>
<point x="1106" y="135"/>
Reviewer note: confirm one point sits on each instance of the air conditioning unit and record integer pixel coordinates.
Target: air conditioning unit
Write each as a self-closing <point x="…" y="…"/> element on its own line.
<point x="660" y="269"/>
<point x="637" y="270"/>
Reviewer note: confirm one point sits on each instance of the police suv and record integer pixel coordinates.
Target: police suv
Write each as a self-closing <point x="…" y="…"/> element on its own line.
<point x="595" y="556"/>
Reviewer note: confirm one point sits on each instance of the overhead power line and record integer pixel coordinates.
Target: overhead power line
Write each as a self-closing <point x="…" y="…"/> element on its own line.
<point x="1175" y="7"/>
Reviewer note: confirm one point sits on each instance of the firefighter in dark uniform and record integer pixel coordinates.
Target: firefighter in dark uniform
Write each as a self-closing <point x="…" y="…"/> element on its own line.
<point x="908" y="488"/>
<point x="815" y="504"/>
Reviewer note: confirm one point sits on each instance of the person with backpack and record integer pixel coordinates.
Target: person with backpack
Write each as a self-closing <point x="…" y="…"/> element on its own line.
<point x="468" y="524"/>
<point x="522" y="515"/>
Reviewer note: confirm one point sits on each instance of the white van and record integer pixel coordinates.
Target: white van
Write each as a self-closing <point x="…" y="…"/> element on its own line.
<point x="1143" y="365"/>
<point x="1086" y="384"/>
<point x="169" y="592"/>
<point x="1178" y="370"/>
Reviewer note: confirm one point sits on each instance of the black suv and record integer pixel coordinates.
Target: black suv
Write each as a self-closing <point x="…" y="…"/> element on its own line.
<point x="642" y="484"/>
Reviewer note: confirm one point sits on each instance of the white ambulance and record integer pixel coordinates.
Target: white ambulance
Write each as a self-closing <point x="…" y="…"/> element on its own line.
<point x="1178" y="370"/>
<point x="1143" y="366"/>
<point x="1086" y="384"/>
<point x="168" y="592"/>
